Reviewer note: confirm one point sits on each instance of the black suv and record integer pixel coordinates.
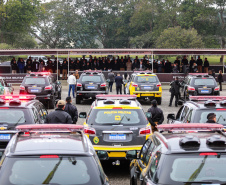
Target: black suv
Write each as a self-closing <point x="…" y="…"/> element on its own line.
<point x="51" y="154"/>
<point x="198" y="84"/>
<point x="90" y="84"/>
<point x="44" y="86"/>
<point x="18" y="110"/>
<point x="181" y="154"/>
<point x="196" y="111"/>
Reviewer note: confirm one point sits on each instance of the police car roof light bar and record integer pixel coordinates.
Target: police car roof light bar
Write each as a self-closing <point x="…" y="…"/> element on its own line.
<point x="92" y="71"/>
<point x="50" y="128"/>
<point x="41" y="73"/>
<point x="20" y="97"/>
<point x="197" y="74"/>
<point x="190" y="127"/>
<point x="204" y="98"/>
<point x="116" y="97"/>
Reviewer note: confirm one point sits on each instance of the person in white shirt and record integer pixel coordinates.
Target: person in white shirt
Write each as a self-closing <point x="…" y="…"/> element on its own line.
<point x="71" y="81"/>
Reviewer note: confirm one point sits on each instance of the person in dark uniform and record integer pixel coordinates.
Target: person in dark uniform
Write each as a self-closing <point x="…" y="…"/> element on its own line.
<point x="71" y="110"/>
<point x="175" y="91"/>
<point x="211" y="118"/>
<point x="157" y="116"/>
<point x="118" y="82"/>
<point x="220" y="79"/>
<point x="192" y="61"/>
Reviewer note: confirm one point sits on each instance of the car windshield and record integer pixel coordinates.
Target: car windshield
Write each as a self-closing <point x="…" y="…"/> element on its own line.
<point x="201" y="116"/>
<point x="63" y="170"/>
<point x="204" y="81"/>
<point x="35" y="81"/>
<point x="11" y="116"/>
<point x="122" y="117"/>
<point x="91" y="78"/>
<point x="146" y="79"/>
<point x="199" y="168"/>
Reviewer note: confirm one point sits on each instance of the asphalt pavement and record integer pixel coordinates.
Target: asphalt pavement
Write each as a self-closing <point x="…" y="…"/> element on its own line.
<point x="119" y="175"/>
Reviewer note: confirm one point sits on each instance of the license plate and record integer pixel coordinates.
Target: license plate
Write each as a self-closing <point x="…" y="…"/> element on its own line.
<point x="117" y="137"/>
<point x="91" y="87"/>
<point x="34" y="90"/>
<point x="204" y="91"/>
<point x="5" y="136"/>
<point x="147" y="87"/>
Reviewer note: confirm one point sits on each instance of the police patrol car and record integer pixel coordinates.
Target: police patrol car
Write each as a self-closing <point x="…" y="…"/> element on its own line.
<point x="18" y="110"/>
<point x="197" y="109"/>
<point x="198" y="84"/>
<point x="181" y="154"/>
<point x="116" y="124"/>
<point x="145" y="85"/>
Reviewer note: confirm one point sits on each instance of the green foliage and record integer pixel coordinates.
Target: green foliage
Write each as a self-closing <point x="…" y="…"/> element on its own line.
<point x="178" y="37"/>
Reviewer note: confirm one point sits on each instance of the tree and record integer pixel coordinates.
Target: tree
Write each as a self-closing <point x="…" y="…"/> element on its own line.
<point x="178" y="37"/>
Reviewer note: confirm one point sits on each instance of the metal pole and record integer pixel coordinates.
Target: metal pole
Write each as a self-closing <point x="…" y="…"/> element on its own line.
<point x="68" y="62"/>
<point x="152" y="56"/>
<point x="57" y="66"/>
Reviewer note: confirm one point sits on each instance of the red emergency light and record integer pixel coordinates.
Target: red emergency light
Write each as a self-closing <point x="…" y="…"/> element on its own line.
<point x="20" y="97"/>
<point x="50" y="128"/>
<point x="190" y="127"/>
<point x="204" y="98"/>
<point x="116" y="97"/>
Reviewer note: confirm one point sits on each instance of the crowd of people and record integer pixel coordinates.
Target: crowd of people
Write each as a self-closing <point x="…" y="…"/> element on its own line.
<point x="105" y="64"/>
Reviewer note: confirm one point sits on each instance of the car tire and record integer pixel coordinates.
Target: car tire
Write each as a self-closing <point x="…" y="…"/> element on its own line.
<point x="78" y="100"/>
<point x="133" y="180"/>
<point x="51" y="103"/>
<point x="159" y="101"/>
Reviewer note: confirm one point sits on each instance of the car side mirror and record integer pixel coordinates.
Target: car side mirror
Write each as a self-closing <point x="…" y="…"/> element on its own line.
<point x="82" y="115"/>
<point x="171" y="116"/>
<point x="58" y="83"/>
<point x="108" y="80"/>
<point x="131" y="154"/>
<point x="148" y="115"/>
<point x="103" y="155"/>
<point x="125" y="81"/>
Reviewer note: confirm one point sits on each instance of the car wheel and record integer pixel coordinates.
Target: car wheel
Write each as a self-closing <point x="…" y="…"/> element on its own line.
<point x="133" y="180"/>
<point x="52" y="103"/>
<point x="78" y="100"/>
<point x="159" y="101"/>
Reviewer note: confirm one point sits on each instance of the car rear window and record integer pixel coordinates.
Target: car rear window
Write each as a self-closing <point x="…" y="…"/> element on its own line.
<point x="13" y="116"/>
<point x="114" y="117"/>
<point x="63" y="170"/>
<point x="204" y="81"/>
<point x="146" y="79"/>
<point x="34" y="81"/>
<point x="91" y="78"/>
<point x="199" y="168"/>
<point x="201" y="116"/>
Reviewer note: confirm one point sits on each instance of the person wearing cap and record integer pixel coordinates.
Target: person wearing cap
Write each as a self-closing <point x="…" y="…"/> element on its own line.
<point x="211" y="118"/>
<point x="71" y="109"/>
<point x="59" y="115"/>
<point x="71" y="81"/>
<point x="157" y="116"/>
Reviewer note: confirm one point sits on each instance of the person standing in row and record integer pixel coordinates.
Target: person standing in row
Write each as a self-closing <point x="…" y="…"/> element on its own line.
<point x="111" y="77"/>
<point x="220" y="79"/>
<point x="71" y="81"/>
<point x="175" y="91"/>
<point x="14" y="67"/>
<point x="199" y="64"/>
<point x="206" y="66"/>
<point x="118" y="82"/>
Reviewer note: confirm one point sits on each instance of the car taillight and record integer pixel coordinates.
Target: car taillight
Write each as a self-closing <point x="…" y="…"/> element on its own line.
<point x="134" y="85"/>
<point x="145" y="131"/>
<point x="159" y="85"/>
<point x="191" y="88"/>
<point x="208" y="153"/>
<point x="103" y="85"/>
<point x="216" y="89"/>
<point x="90" y="131"/>
<point x="79" y="85"/>
<point x="22" y="87"/>
<point x="48" y="87"/>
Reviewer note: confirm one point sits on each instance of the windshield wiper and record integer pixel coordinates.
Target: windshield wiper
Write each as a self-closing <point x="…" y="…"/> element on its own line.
<point x="220" y="117"/>
<point x="124" y="116"/>
<point x="201" y="182"/>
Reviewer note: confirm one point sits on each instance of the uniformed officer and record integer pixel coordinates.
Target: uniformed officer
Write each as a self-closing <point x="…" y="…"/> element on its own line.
<point x="157" y="116"/>
<point x="211" y="118"/>
<point x="175" y="91"/>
